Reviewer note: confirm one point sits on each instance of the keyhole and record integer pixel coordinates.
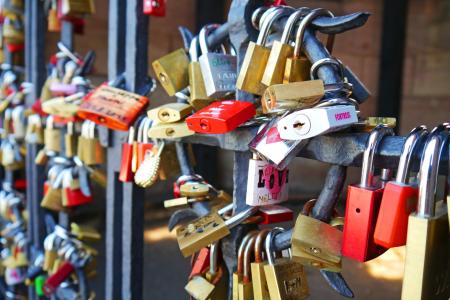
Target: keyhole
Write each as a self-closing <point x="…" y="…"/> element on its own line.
<point x="162" y="77"/>
<point x="298" y="124"/>
<point x="358" y="210"/>
<point x="165" y="115"/>
<point x="170" y="132"/>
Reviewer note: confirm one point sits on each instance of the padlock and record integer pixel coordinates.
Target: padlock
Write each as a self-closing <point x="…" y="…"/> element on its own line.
<point x="266" y="184"/>
<point x="172" y="71"/>
<point x="218" y="69"/>
<point x="126" y="173"/>
<point x="170" y="166"/>
<point x="77" y="7"/>
<point x="427" y="262"/>
<point x="281" y="51"/>
<point x="399" y="197"/>
<point x="53" y="194"/>
<point x="69" y="71"/>
<point x="268" y="145"/>
<point x="53" y="22"/>
<point x="147" y="173"/>
<point x="84" y="233"/>
<point x="93" y="154"/>
<point x="18" y="122"/>
<point x="316" y="243"/>
<point x="34" y="132"/>
<point x="298" y="66"/>
<point x="311" y="122"/>
<point x="255" y="60"/>
<point x="260" y="289"/>
<point x="198" y="98"/>
<point x="15" y="276"/>
<point x="201" y="262"/>
<point x="50" y="253"/>
<point x="156" y="8"/>
<point x="170" y="130"/>
<point x="221" y="117"/>
<point x="59" y="89"/>
<point x="57" y="278"/>
<point x="52" y="136"/>
<point x="292" y="96"/>
<point x="245" y="287"/>
<point x="237" y="276"/>
<point x="183" y="201"/>
<point x="72" y="192"/>
<point x="363" y="204"/>
<point x="286" y="279"/>
<point x="170" y="112"/>
<point x="70" y="140"/>
<point x="208" y="229"/>
<point x="144" y="146"/>
<point x="275" y="214"/>
<point x="194" y="189"/>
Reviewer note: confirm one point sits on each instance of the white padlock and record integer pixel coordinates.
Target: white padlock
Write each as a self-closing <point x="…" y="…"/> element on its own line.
<point x="308" y="123"/>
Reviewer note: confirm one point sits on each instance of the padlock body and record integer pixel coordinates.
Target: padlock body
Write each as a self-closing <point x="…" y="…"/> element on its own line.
<point x="172" y="71"/>
<point x="260" y="289"/>
<point x="76" y="198"/>
<point x="143" y="150"/>
<point x="126" y="174"/>
<point x="201" y="263"/>
<point x="170" y="130"/>
<point x="360" y="219"/>
<point x="286" y="279"/>
<point x="156" y="8"/>
<point x="272" y="214"/>
<point x="398" y="202"/>
<point x="297" y="69"/>
<point x="198" y="98"/>
<point x="219" y="74"/>
<point x="252" y="69"/>
<point x="221" y="117"/>
<point x="427" y="262"/>
<point x="266" y="185"/>
<point x="274" y="72"/>
<point x="52" y="282"/>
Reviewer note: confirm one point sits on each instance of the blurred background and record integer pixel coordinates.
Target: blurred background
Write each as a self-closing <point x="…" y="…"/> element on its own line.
<point x="402" y="55"/>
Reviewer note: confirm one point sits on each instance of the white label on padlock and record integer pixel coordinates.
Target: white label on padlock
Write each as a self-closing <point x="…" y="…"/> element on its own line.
<point x="14" y="276"/>
<point x="308" y="123"/>
<point x="266" y="185"/>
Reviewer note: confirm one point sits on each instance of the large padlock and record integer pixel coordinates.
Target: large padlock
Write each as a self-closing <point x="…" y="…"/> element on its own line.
<point x="208" y="229"/>
<point x="198" y="98"/>
<point x="399" y="196"/>
<point x="311" y="122"/>
<point x="221" y="117"/>
<point x="286" y="279"/>
<point x="281" y="51"/>
<point x="218" y="69"/>
<point x="316" y="243"/>
<point x="363" y="204"/>
<point x="266" y="184"/>
<point x="172" y="71"/>
<point x="268" y="145"/>
<point x="427" y="263"/>
<point x="255" y="60"/>
<point x="156" y="8"/>
<point x="298" y="66"/>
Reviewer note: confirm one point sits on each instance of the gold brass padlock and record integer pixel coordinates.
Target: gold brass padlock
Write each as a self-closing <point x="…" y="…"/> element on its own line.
<point x="194" y="189"/>
<point x="172" y="71"/>
<point x="52" y="136"/>
<point x="260" y="289"/>
<point x="170" y="112"/>
<point x="198" y="98"/>
<point x="298" y="66"/>
<point x="169" y="130"/>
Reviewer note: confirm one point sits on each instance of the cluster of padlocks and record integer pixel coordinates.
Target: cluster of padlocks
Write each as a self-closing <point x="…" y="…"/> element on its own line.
<point x="275" y="95"/>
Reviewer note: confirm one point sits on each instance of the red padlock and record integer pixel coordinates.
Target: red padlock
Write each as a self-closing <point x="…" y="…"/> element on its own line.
<point x="53" y="281"/>
<point x="73" y="193"/>
<point x="155" y="8"/>
<point x="399" y="197"/>
<point x="363" y="204"/>
<point x="221" y="117"/>
<point x="201" y="263"/>
<point x="144" y="147"/>
<point x="275" y="214"/>
<point x="126" y="172"/>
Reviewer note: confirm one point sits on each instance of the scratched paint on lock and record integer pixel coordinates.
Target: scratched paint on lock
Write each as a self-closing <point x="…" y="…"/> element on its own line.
<point x="266" y="184"/>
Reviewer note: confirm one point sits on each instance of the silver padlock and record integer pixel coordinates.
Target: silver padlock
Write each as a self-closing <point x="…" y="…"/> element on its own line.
<point x="271" y="147"/>
<point x="218" y="69"/>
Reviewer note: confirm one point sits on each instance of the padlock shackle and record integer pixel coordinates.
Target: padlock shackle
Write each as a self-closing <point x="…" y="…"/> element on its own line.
<point x="318" y="12"/>
<point x="240" y="254"/>
<point x="277" y="13"/>
<point x="193" y="49"/>
<point x="269" y="244"/>
<point x="213" y="257"/>
<point x="240" y="217"/>
<point x="203" y="36"/>
<point x="259" y="245"/>
<point x="291" y="22"/>
<point x="435" y="149"/>
<point x="326" y="61"/>
<point x="246" y="278"/>
<point x="373" y="142"/>
<point x="411" y="145"/>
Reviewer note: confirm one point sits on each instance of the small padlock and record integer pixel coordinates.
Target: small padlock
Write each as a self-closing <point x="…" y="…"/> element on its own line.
<point x="298" y="66"/>
<point x="57" y="278"/>
<point x="170" y="130"/>
<point x="208" y="229"/>
<point x="266" y="184"/>
<point x="53" y="22"/>
<point x="144" y="146"/>
<point x="194" y="189"/>
<point x="170" y="112"/>
<point x="172" y="71"/>
<point x="126" y="172"/>
<point x="198" y="98"/>
<point x="147" y="173"/>
<point x="77" y="7"/>
<point x="218" y="69"/>
<point x="399" y="197"/>
<point x="221" y="117"/>
<point x="52" y="136"/>
<point x="156" y="8"/>
<point x="255" y="60"/>
<point x="72" y="191"/>
<point x="70" y="140"/>
<point x="427" y="262"/>
<point x="18" y="122"/>
<point x="286" y="279"/>
<point x="363" y="204"/>
<point x="201" y="262"/>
